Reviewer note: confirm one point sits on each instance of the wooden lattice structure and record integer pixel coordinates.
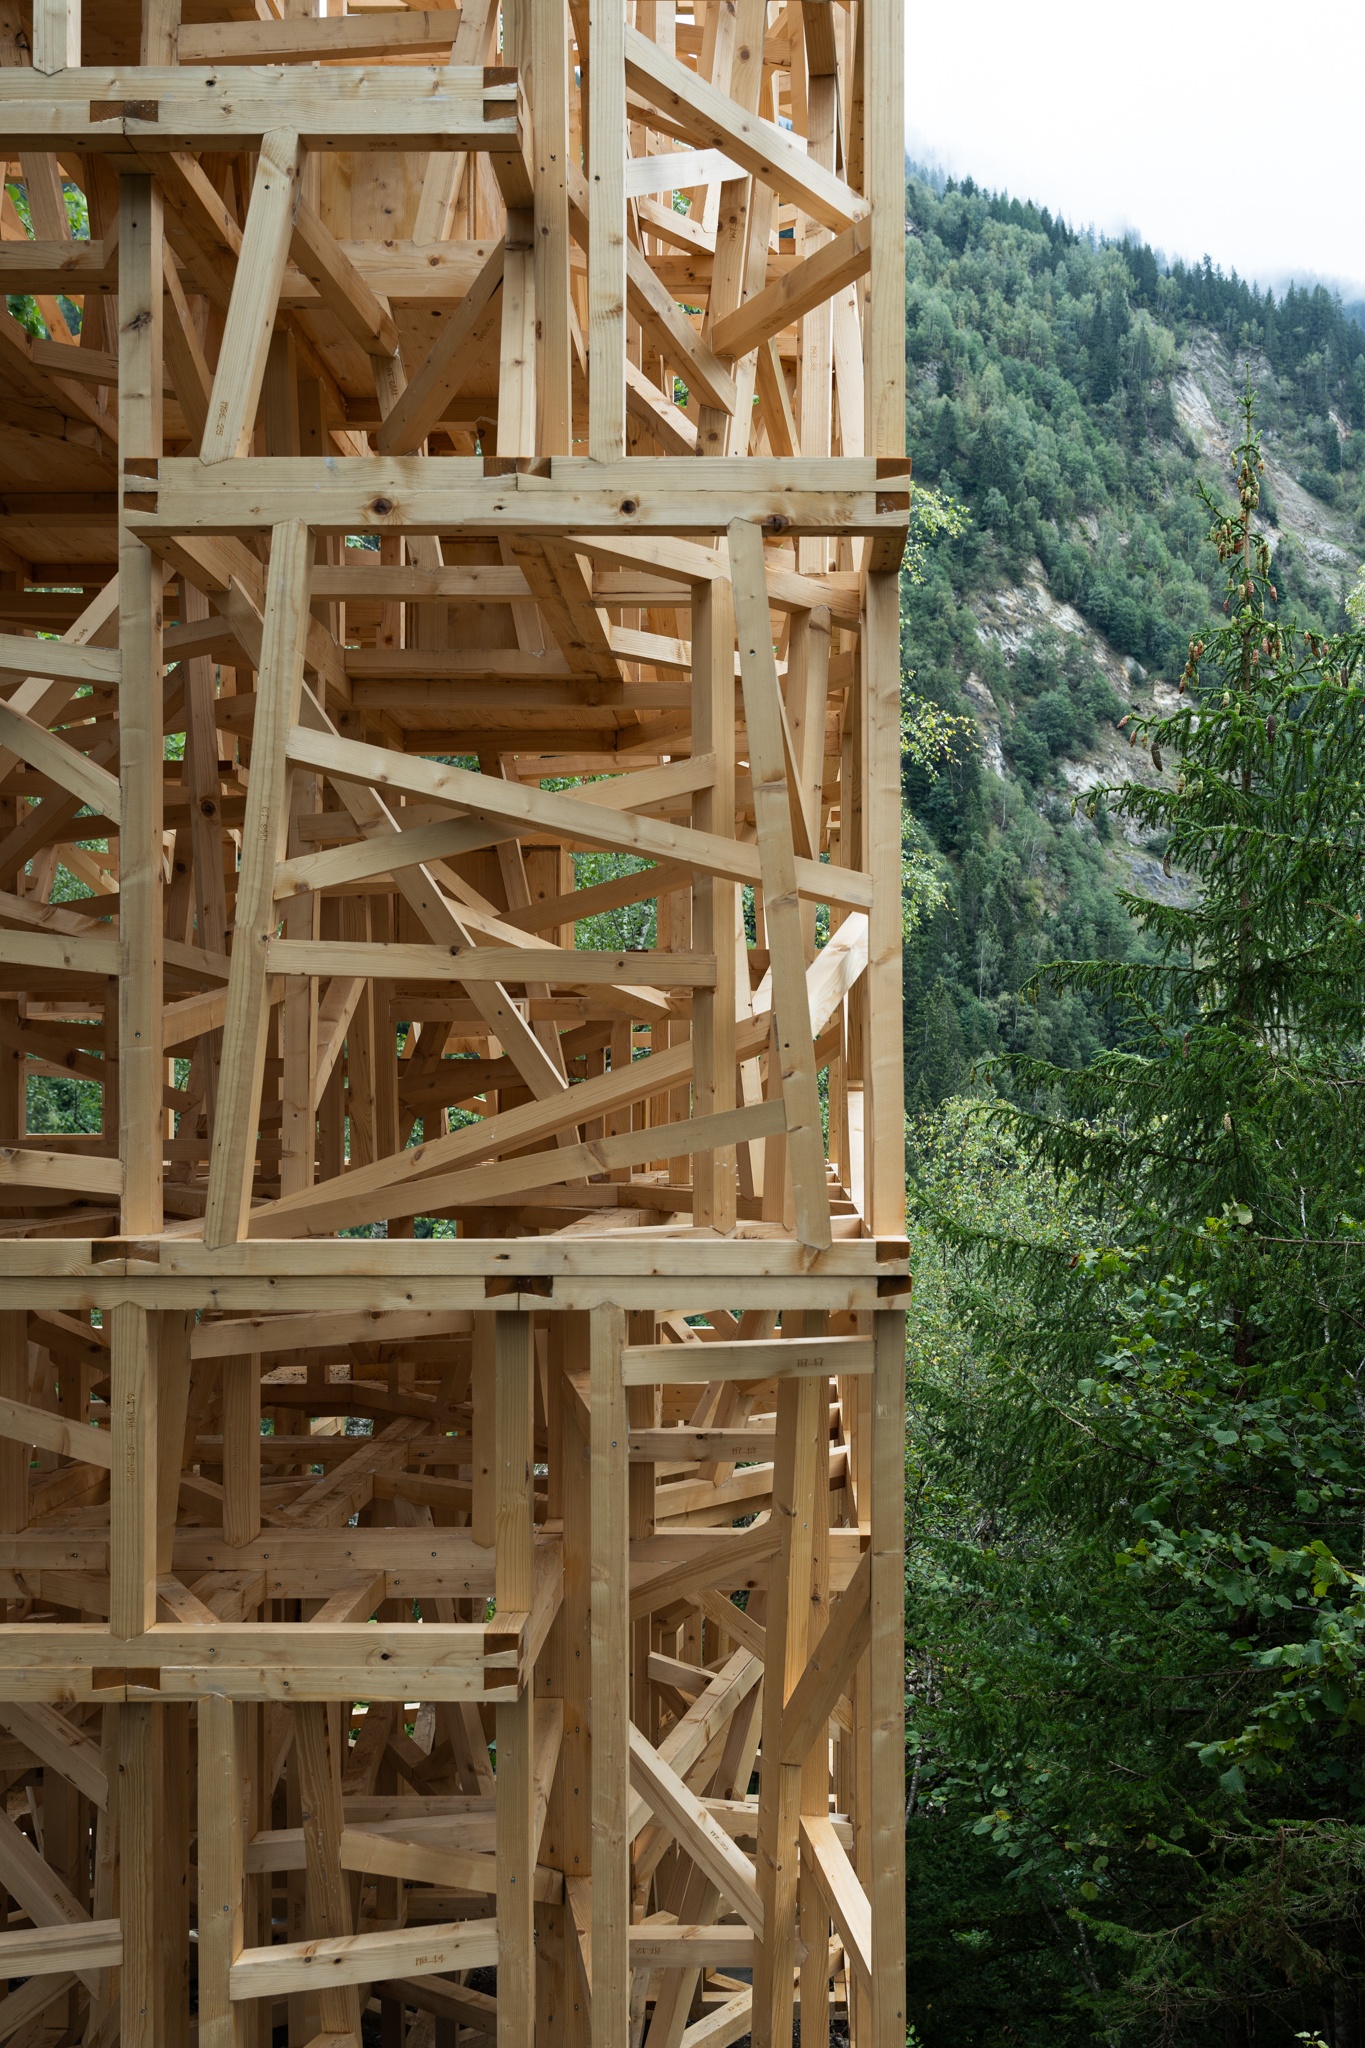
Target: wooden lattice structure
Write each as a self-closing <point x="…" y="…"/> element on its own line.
<point x="451" y="1394"/>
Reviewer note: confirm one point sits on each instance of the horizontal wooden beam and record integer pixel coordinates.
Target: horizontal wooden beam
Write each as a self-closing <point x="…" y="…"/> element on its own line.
<point x="52" y="1951"/>
<point x="650" y="1365"/>
<point x="663" y="495"/>
<point x="107" y="110"/>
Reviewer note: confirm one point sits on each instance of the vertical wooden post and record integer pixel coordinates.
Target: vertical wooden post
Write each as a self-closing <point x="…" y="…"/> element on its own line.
<point x="887" y="1681"/>
<point x="133" y="1479"/>
<point x="800" y="1493"/>
<point x="160" y="31"/>
<point x="514" y="1575"/>
<point x="223" y="1791"/>
<point x="172" y="1359"/>
<point x="14" y="1457"/>
<point x="570" y="1351"/>
<point x="549" y="93"/>
<point x="278" y="691"/>
<point x="329" y="1894"/>
<point x="610" y="1633"/>
<point x="715" y="904"/>
<point x="882" y="30"/>
<point x="139" y="1771"/>
<point x="482" y="1403"/>
<point x="241" y="1448"/>
<point x="607" y="232"/>
<point x="141" y="744"/>
<point x="884" y="1142"/>
<point x="781" y="905"/>
<point x="56" y="34"/>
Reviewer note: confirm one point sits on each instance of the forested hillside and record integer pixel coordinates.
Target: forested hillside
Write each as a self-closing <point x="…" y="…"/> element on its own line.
<point x="1135" y="1586"/>
<point x="1070" y="398"/>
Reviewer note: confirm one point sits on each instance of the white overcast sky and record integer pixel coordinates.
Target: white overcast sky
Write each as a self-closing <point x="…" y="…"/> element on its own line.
<point x="1144" y="117"/>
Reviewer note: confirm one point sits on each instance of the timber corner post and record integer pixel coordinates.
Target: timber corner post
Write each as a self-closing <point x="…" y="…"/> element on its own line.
<point x="452" y="495"/>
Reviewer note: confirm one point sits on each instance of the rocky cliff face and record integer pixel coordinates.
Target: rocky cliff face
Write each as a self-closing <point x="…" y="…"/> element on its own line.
<point x="1017" y="617"/>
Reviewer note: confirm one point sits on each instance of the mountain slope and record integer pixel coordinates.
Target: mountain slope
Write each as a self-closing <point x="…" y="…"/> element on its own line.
<point x="1073" y="398"/>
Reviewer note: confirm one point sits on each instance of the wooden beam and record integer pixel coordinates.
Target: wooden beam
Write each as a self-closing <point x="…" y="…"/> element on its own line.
<point x="141" y="741"/>
<point x="224" y="1797"/>
<point x="263" y="842"/>
<point x="364" y="1958"/>
<point x="610" y="1640"/>
<point x="265" y="247"/>
<point x="792" y="1035"/>
<point x="515" y="1592"/>
<point x="132" y="1479"/>
<point x="696" y="1830"/>
<point x="848" y="1903"/>
<point x="606" y="153"/>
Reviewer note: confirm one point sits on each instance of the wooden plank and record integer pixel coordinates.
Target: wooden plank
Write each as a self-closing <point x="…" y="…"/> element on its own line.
<point x="27" y="1167"/>
<point x="141" y="742"/>
<point x="848" y="1903"/>
<point x="340" y="286"/>
<point x="793" y="1039"/>
<point x="658" y="1946"/>
<point x="56" y="953"/>
<point x="132" y="1478"/>
<point x="304" y="40"/>
<point x="255" y="295"/>
<point x="21" y="1423"/>
<point x="372" y="107"/>
<point x="516" y="435"/>
<point x="799" y="1496"/>
<point x="649" y="495"/>
<point x="365" y="1958"/>
<point x="514" y="1592"/>
<point x="884" y="1200"/>
<point x="550" y="80"/>
<point x="610" y="1642"/>
<point x="263" y="844"/>
<point x="328" y="1895"/>
<point x="224" y="1792"/>
<point x="59" y="661"/>
<point x="53" y="1951"/>
<point x="388" y="961"/>
<point x="887" y="1687"/>
<point x="668" y="329"/>
<point x="761" y="1358"/>
<point x="696" y="1830"/>
<point x="606" y="154"/>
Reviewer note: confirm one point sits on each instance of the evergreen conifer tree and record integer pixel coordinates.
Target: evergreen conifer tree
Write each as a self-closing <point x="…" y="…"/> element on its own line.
<point x="1152" y="1666"/>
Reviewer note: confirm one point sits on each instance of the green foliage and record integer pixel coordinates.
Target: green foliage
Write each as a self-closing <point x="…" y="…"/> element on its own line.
<point x="1136" y="1587"/>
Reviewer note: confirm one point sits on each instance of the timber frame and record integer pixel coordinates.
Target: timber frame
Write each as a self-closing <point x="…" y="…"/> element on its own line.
<point x="452" y="1387"/>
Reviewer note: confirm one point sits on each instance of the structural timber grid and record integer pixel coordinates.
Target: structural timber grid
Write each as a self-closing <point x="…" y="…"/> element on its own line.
<point x="452" y="493"/>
